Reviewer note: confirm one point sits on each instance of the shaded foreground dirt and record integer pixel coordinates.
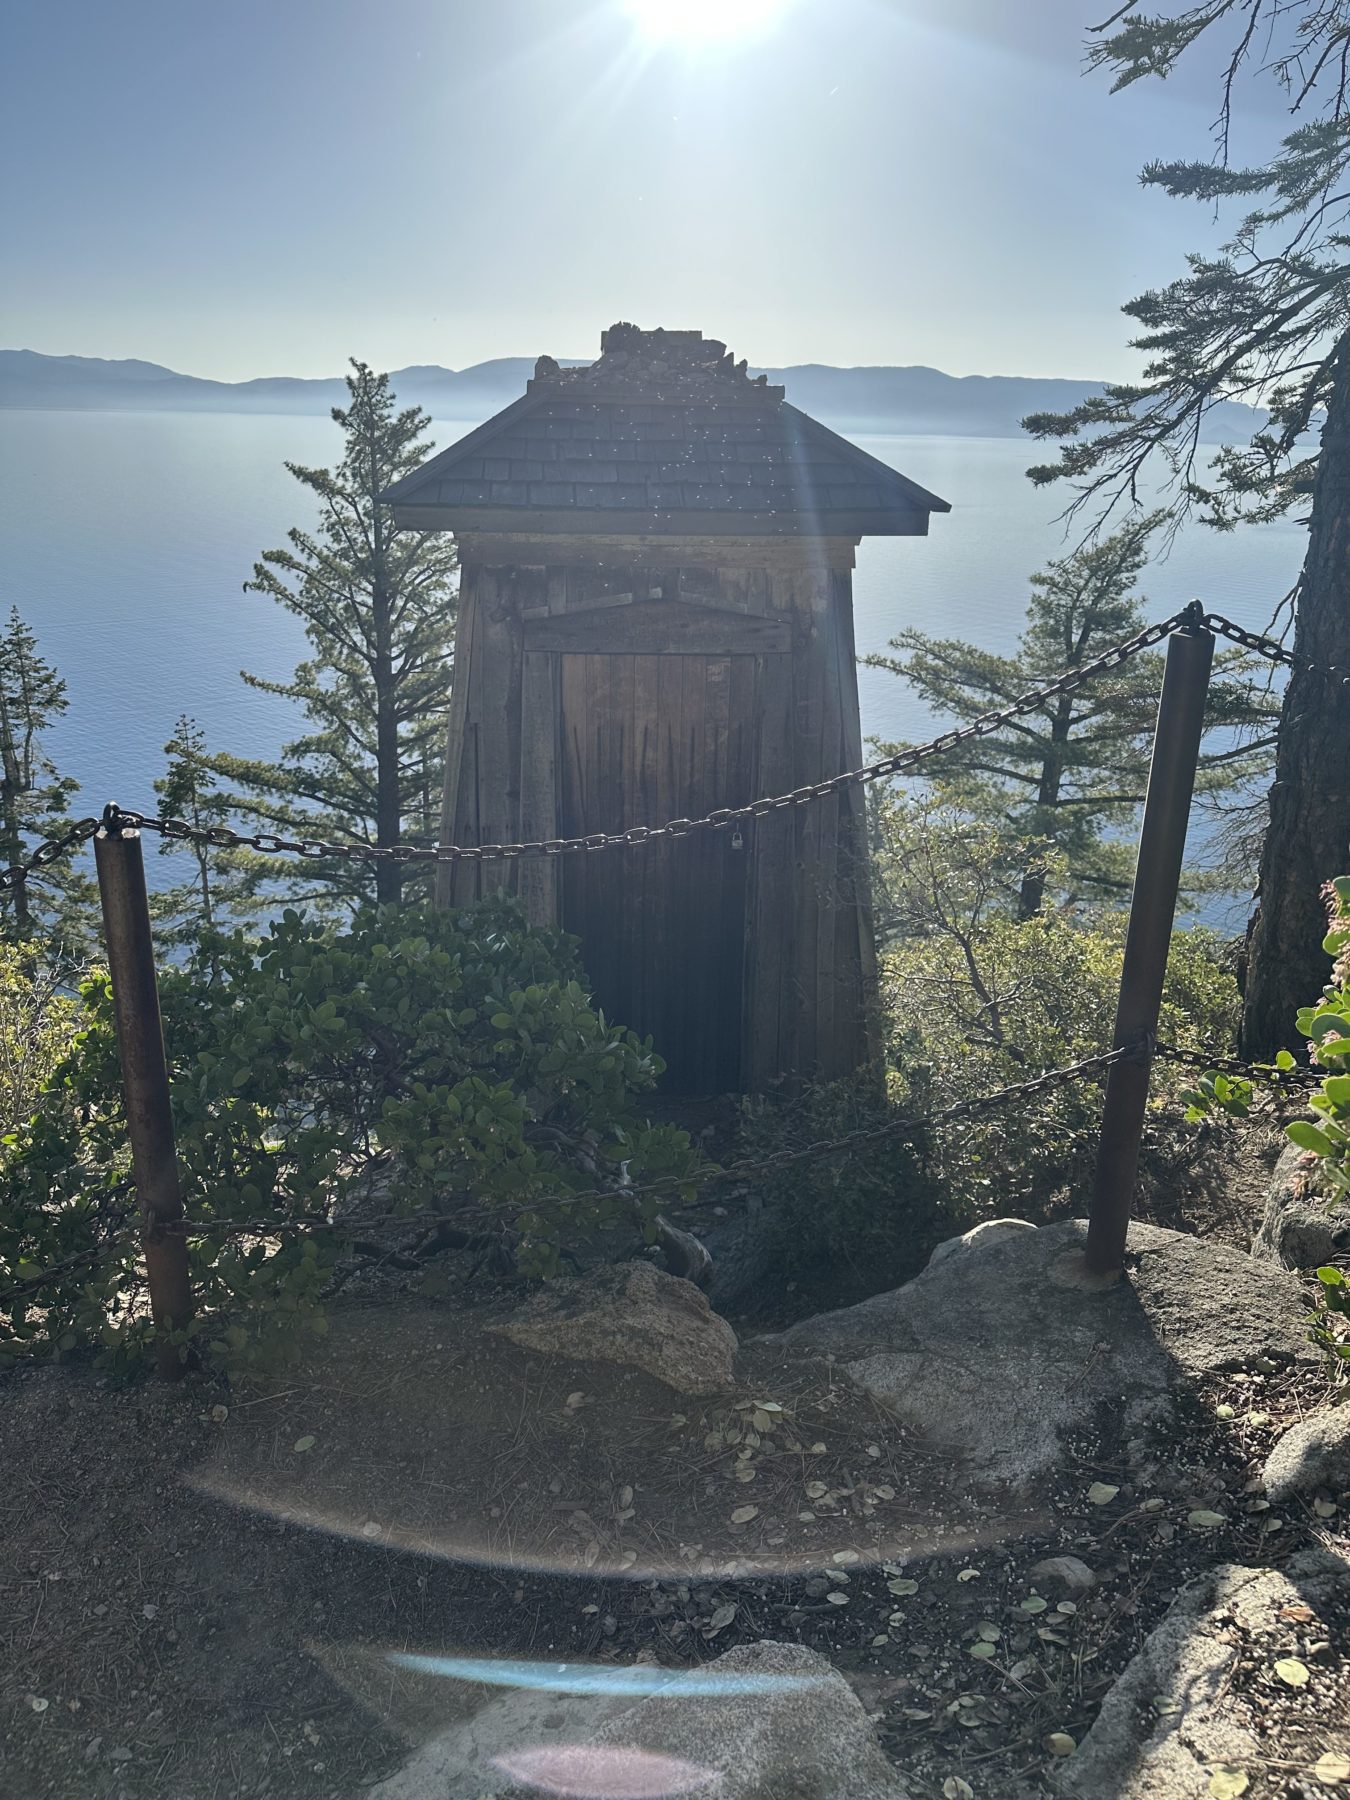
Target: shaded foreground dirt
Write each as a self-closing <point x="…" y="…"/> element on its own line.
<point x="201" y="1587"/>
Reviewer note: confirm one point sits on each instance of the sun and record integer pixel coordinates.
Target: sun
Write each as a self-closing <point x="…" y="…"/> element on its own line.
<point x="702" y="21"/>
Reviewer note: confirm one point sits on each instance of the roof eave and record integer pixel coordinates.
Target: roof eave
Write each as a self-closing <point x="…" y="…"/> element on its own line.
<point x="846" y="448"/>
<point x="656" y="521"/>
<point x="464" y="446"/>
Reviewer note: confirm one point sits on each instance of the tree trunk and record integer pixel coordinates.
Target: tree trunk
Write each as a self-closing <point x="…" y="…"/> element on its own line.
<point x="388" y="785"/>
<point x="388" y="808"/>
<point x="1032" y="896"/>
<point x="13" y="849"/>
<point x="1307" y="841"/>
<point x="11" y="786"/>
<point x="388" y="875"/>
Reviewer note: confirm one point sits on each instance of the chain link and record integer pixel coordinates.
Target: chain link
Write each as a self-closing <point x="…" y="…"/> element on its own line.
<point x="722" y="819"/>
<point x="1191" y="618"/>
<point x="1271" y="648"/>
<point x="1232" y="1065"/>
<point x="222" y="837"/>
<point x="50" y="850"/>
<point x="743" y="1169"/>
<point x="944" y="1115"/>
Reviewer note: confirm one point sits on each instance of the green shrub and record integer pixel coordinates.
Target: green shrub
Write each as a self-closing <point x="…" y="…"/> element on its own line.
<point x="419" y="1060"/>
<point x="1326" y="1026"/>
<point x="37" y="1022"/>
<point x="840" y="1227"/>
<point x="982" y="1008"/>
<point x="1329" y="1326"/>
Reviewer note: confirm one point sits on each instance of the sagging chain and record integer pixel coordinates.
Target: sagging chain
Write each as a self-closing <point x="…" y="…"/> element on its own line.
<point x="1051" y="1080"/>
<point x="32" y="1286"/>
<point x="1271" y="648"/>
<point x="722" y="819"/>
<point x="50" y="850"/>
<point x="1299" y="1076"/>
<point x="222" y="837"/>
<point x="744" y="1169"/>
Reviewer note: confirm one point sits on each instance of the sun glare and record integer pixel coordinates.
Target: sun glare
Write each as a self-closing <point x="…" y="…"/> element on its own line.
<point x="702" y="21"/>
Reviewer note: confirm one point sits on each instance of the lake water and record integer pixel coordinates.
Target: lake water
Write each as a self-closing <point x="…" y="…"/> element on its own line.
<point x="125" y="539"/>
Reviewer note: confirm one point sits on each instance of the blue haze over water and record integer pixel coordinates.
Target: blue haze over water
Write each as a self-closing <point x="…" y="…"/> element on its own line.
<point x="125" y="539"/>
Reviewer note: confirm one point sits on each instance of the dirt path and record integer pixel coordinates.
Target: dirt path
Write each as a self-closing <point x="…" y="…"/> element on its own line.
<point x="202" y="1587"/>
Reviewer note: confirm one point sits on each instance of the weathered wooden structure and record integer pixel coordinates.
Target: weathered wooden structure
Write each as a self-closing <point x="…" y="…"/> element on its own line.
<point x="656" y="620"/>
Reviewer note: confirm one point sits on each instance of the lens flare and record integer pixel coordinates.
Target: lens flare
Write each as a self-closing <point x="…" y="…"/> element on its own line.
<point x="599" y="1772"/>
<point x="639" y="1682"/>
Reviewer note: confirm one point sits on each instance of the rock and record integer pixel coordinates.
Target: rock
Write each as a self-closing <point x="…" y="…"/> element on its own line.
<point x="988" y="1233"/>
<point x="634" y="1315"/>
<point x="683" y="1253"/>
<point x="1073" y="1575"/>
<point x="796" y="1729"/>
<point x="746" y="1262"/>
<point x="1300" y="1229"/>
<point x="996" y="1351"/>
<point x="1196" y="1697"/>
<point x="1313" y="1454"/>
<point x="801" y="1736"/>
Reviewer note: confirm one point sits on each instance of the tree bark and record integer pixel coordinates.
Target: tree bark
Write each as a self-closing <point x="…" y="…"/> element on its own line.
<point x="11" y="786"/>
<point x="1307" y="841"/>
<point x="388" y="808"/>
<point x="1032" y="896"/>
<point x="388" y="782"/>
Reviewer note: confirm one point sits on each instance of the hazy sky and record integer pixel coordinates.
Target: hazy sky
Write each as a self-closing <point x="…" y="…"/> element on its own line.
<point x="256" y="187"/>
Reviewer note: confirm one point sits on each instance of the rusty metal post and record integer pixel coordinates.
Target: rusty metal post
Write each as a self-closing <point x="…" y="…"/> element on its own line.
<point x="1157" y="875"/>
<point x="145" y="1077"/>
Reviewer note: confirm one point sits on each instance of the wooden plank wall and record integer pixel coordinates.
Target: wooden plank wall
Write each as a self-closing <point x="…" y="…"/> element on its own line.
<point x="806" y="963"/>
<point x="810" y="957"/>
<point x="646" y="739"/>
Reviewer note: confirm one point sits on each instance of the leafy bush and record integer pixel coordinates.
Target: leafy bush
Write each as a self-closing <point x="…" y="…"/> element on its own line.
<point x="37" y="1021"/>
<point x="1330" y="1322"/>
<point x="411" y="1061"/>
<point x="840" y="1227"/>
<point x="1326" y="1025"/>
<point x="995" y="1001"/>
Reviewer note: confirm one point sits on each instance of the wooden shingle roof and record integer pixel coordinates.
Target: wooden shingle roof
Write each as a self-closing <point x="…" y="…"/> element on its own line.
<point x="664" y="434"/>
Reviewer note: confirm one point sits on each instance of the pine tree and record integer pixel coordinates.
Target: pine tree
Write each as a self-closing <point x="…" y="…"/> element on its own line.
<point x="55" y="905"/>
<point x="219" y="887"/>
<point x="378" y="606"/>
<point x="1267" y="321"/>
<point x="1070" y="775"/>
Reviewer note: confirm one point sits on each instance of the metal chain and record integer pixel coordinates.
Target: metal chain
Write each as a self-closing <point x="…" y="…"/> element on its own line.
<point x="50" y="850"/>
<point x="1191" y="618"/>
<point x="945" y="1115"/>
<point x="114" y="1224"/>
<point x="221" y="837"/>
<point x="734" y="1171"/>
<point x="722" y="819"/>
<point x="1271" y="648"/>
<point x="1232" y="1065"/>
<point x="742" y="1169"/>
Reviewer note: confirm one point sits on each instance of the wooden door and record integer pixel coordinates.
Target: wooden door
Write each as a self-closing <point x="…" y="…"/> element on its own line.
<point x="647" y="738"/>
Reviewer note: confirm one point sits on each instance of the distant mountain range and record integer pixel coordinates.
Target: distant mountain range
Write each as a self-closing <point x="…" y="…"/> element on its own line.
<point x="917" y="402"/>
